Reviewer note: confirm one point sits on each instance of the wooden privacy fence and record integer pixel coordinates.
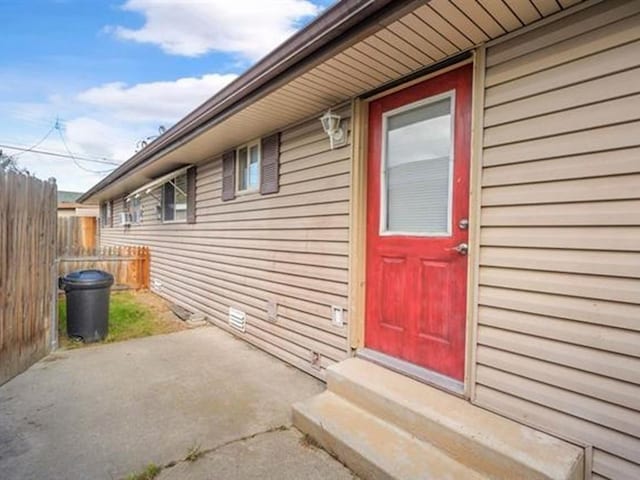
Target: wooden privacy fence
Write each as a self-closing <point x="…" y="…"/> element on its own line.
<point x="27" y="271"/>
<point x="77" y="250"/>
<point x="128" y="264"/>
<point x="76" y="233"/>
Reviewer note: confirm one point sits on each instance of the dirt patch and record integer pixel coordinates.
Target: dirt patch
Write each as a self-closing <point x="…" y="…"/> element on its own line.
<point x="161" y="310"/>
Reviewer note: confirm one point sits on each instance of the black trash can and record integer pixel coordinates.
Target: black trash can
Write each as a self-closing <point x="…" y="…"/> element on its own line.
<point x="87" y="294"/>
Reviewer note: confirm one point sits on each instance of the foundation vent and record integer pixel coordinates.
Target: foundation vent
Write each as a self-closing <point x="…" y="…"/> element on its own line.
<point x="237" y="319"/>
<point x="156" y="285"/>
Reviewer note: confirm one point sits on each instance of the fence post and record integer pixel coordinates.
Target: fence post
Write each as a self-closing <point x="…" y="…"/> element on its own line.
<point x="137" y="271"/>
<point x="145" y="267"/>
<point x="88" y="231"/>
<point x="54" y="307"/>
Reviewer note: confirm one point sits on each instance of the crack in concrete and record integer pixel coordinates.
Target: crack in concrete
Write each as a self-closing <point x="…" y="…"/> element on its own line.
<point x="202" y="453"/>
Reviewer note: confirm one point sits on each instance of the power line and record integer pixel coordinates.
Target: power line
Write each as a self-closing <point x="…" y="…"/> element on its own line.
<point x="64" y="142"/>
<point x="37" y="144"/>
<point x="57" y="154"/>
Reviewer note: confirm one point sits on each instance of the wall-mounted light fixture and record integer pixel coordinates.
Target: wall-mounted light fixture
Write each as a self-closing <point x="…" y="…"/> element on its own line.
<point x="332" y="125"/>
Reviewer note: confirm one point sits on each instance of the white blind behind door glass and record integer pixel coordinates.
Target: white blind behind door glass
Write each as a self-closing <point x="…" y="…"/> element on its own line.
<point x="417" y="169"/>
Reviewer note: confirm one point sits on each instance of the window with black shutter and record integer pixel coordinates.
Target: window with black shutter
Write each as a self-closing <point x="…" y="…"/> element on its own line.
<point x="174" y="199"/>
<point x="252" y="167"/>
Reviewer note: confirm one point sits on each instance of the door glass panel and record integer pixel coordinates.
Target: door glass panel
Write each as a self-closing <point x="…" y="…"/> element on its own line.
<point x="417" y="173"/>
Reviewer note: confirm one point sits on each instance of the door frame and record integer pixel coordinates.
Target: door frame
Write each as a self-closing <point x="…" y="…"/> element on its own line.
<point x="358" y="215"/>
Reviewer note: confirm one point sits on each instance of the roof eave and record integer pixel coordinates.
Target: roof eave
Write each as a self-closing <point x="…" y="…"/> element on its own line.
<point x="335" y="22"/>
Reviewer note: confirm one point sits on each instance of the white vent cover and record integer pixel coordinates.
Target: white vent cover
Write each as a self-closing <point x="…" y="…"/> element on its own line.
<point x="156" y="285"/>
<point x="237" y="319"/>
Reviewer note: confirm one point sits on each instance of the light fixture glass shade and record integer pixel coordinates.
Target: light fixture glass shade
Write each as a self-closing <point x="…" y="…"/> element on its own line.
<point x="330" y="122"/>
<point x="333" y="128"/>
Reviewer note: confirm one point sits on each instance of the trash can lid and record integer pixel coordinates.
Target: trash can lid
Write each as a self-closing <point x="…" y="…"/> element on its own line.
<point x="87" y="279"/>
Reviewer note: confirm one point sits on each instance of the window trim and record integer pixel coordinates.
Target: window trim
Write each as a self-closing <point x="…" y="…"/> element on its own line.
<point x="106" y="213"/>
<point x="382" y="227"/>
<point x="254" y="143"/>
<point x="186" y="196"/>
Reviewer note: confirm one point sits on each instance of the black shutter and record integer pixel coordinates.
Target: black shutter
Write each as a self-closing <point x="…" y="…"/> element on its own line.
<point x="229" y="175"/>
<point x="270" y="164"/>
<point x="191" y="195"/>
<point x="111" y="213"/>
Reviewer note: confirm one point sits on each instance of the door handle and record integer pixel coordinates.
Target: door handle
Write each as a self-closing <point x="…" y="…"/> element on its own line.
<point x="462" y="249"/>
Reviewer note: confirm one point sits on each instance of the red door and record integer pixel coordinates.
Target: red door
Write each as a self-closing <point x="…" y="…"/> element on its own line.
<point x="417" y="222"/>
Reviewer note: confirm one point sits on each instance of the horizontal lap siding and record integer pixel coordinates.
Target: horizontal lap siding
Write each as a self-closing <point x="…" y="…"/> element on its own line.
<point x="290" y="247"/>
<point x="559" y="295"/>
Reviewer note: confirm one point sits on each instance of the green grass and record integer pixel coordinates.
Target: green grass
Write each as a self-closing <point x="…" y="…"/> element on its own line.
<point x="149" y="473"/>
<point x="127" y="319"/>
<point x="194" y="453"/>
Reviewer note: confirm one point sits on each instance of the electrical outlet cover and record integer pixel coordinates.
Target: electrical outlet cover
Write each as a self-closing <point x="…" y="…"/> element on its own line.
<point x="272" y="310"/>
<point x="337" y="316"/>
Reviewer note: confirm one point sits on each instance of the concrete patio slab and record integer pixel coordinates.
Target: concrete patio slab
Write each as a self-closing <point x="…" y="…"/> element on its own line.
<point x="107" y="411"/>
<point x="281" y="455"/>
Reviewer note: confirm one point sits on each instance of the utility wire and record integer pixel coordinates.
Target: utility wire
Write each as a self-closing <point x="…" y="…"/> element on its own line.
<point x="57" y="154"/>
<point x="37" y="144"/>
<point x="64" y="142"/>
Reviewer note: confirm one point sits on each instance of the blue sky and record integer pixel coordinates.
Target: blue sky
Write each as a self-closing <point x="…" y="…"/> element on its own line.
<point x="113" y="71"/>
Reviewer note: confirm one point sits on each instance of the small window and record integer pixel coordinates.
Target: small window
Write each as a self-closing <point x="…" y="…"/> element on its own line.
<point x="174" y="199"/>
<point x="248" y="167"/>
<point x="135" y="207"/>
<point x="105" y="214"/>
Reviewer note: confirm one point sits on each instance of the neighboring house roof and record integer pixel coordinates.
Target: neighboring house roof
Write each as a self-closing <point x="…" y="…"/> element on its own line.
<point x="71" y="205"/>
<point x="66" y="196"/>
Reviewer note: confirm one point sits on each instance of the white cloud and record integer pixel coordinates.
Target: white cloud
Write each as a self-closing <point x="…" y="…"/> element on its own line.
<point x="104" y="122"/>
<point x="108" y="120"/>
<point x="160" y="102"/>
<point x="117" y="142"/>
<point x="250" y="28"/>
<point x="68" y="175"/>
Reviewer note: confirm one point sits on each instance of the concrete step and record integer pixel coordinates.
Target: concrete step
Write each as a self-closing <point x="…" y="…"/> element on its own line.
<point x="487" y="443"/>
<point x="371" y="447"/>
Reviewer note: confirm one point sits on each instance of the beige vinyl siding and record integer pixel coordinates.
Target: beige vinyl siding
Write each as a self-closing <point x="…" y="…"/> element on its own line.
<point x="290" y="247"/>
<point x="559" y="295"/>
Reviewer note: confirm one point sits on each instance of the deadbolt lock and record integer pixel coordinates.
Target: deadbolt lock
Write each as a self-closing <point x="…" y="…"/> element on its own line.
<point x="463" y="224"/>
